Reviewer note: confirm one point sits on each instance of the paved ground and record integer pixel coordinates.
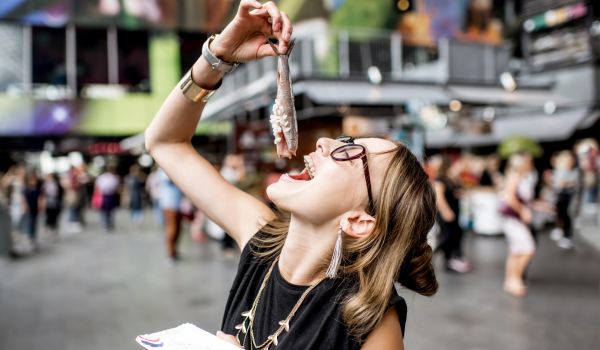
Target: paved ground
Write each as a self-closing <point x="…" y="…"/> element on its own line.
<point x="97" y="291"/>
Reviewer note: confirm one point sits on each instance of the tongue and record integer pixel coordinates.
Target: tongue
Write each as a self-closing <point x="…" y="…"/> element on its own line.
<point x="302" y="176"/>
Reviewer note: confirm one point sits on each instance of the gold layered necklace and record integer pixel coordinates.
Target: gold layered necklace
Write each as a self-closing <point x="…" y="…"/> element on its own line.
<point x="246" y="327"/>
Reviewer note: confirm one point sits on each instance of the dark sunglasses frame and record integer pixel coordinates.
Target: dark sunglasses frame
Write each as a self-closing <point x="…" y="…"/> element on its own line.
<point x="349" y="143"/>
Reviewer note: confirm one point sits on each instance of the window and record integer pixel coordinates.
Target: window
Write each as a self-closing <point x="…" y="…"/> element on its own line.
<point x="190" y="46"/>
<point x="134" y="67"/>
<point x="92" y="57"/>
<point x="48" y="56"/>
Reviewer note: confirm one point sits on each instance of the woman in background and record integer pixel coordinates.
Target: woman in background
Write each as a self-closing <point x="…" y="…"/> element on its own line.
<point x="565" y="180"/>
<point x="52" y="193"/>
<point x="517" y="199"/>
<point x="451" y="233"/>
<point x="32" y="194"/>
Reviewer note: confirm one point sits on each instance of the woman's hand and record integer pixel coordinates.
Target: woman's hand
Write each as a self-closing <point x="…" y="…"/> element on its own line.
<point x="229" y="338"/>
<point x="245" y="37"/>
<point x="526" y="215"/>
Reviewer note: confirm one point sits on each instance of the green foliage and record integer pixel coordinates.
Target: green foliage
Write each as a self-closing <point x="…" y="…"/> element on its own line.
<point x="519" y="144"/>
<point x="376" y="14"/>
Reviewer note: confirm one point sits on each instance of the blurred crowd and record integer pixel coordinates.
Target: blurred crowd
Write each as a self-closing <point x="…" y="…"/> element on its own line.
<point x="484" y="194"/>
<point x="490" y="195"/>
<point x="45" y="206"/>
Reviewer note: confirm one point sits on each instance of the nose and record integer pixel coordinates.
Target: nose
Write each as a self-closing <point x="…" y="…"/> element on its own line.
<point x="324" y="146"/>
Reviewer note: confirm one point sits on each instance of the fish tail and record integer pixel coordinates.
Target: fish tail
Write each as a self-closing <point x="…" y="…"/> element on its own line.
<point x="289" y="50"/>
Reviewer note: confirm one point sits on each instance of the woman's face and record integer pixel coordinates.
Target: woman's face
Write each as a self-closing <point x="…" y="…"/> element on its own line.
<point x="565" y="161"/>
<point x="331" y="187"/>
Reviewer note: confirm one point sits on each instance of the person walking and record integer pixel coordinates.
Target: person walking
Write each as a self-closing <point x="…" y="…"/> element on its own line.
<point x="359" y="213"/>
<point x="31" y="194"/>
<point x="565" y="179"/>
<point x="134" y="184"/>
<point x="170" y="200"/>
<point x="14" y="183"/>
<point x="76" y="197"/>
<point x="451" y="234"/>
<point x="153" y="189"/>
<point x="234" y="171"/>
<point x="517" y="197"/>
<point x="52" y="193"/>
<point x="107" y="184"/>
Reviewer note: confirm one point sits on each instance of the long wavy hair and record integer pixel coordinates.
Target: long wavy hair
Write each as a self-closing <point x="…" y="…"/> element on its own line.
<point x="396" y="250"/>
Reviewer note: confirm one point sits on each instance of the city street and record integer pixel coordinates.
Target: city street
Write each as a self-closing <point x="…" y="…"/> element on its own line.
<point x="97" y="291"/>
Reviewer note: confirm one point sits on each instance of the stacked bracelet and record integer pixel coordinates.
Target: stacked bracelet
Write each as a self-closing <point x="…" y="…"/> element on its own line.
<point x="193" y="91"/>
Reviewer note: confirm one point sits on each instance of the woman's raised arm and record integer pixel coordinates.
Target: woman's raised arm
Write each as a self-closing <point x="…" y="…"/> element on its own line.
<point x="170" y="132"/>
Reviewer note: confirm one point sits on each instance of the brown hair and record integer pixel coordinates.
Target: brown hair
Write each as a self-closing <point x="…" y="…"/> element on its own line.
<point x="441" y="163"/>
<point x="397" y="249"/>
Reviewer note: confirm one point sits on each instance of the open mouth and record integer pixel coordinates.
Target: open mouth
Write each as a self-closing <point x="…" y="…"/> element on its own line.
<point x="308" y="173"/>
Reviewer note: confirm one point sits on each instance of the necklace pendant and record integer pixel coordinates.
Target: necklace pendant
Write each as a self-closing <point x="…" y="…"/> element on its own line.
<point x="273" y="338"/>
<point x="242" y="327"/>
<point x="247" y="314"/>
<point x="285" y="324"/>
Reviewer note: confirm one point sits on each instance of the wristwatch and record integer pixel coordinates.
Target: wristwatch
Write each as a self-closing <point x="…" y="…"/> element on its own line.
<point x="193" y="91"/>
<point x="214" y="61"/>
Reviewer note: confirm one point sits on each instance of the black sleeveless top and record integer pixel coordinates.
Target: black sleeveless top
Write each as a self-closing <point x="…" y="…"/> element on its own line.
<point x="450" y="195"/>
<point x="316" y="325"/>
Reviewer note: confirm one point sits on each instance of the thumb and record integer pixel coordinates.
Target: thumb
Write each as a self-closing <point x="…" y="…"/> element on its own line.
<point x="228" y="338"/>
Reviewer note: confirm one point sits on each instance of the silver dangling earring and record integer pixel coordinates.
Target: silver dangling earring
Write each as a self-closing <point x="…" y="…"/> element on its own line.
<point x="336" y="258"/>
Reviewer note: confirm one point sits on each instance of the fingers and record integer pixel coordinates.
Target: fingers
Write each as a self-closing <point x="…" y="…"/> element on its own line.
<point x="276" y="24"/>
<point x="286" y="31"/>
<point x="228" y="338"/>
<point x="275" y="14"/>
<point x="248" y="5"/>
<point x="279" y="23"/>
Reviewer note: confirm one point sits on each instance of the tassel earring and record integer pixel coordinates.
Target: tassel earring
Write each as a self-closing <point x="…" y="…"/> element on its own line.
<point x="336" y="258"/>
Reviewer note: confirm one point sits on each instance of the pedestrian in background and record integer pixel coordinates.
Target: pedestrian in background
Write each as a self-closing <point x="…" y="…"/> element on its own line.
<point x="565" y="179"/>
<point x="234" y="171"/>
<point x="52" y="193"/>
<point x="170" y="200"/>
<point x="153" y="189"/>
<point x="517" y="198"/>
<point x="134" y="183"/>
<point x="32" y="195"/>
<point x="451" y="234"/>
<point x="76" y="194"/>
<point x="14" y="182"/>
<point x="588" y="155"/>
<point x="107" y="184"/>
<point x="491" y="176"/>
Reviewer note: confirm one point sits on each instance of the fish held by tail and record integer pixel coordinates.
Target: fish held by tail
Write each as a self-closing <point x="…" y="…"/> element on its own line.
<point x="283" y="118"/>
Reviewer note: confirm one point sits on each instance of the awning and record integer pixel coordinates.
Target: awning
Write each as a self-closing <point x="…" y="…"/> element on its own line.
<point x="540" y="127"/>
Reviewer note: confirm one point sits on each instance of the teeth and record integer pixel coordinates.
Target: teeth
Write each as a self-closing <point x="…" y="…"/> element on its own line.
<point x="310" y="167"/>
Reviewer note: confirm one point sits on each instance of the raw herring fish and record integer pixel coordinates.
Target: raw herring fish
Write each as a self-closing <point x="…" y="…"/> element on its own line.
<point x="283" y="120"/>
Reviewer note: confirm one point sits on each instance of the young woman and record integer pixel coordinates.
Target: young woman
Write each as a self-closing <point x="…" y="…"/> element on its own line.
<point x="448" y="210"/>
<point x="565" y="181"/>
<point x="517" y="199"/>
<point x="321" y="277"/>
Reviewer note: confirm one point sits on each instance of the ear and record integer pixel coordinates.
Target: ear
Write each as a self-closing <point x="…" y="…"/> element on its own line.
<point x="357" y="224"/>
